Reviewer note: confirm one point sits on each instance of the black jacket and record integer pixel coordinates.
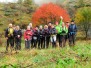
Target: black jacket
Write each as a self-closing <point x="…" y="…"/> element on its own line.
<point x="53" y="31"/>
<point x="9" y="35"/>
<point x="18" y="32"/>
<point x="46" y="32"/>
<point x="35" y="33"/>
<point x="40" y="34"/>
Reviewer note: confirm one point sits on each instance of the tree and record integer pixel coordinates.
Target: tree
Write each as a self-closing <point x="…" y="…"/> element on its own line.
<point x="49" y="13"/>
<point x="82" y="3"/>
<point x="17" y="13"/>
<point x="73" y="5"/>
<point x="83" y="17"/>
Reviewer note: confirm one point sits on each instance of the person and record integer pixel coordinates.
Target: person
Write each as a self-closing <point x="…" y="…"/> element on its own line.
<point x="9" y="35"/>
<point x="49" y="29"/>
<point x="63" y="32"/>
<point x="35" y="36"/>
<point x="53" y="36"/>
<point x="49" y="25"/>
<point x="57" y="27"/>
<point x="40" y="39"/>
<point x="67" y="35"/>
<point x="18" y="36"/>
<point x="30" y="24"/>
<point x="28" y="36"/>
<point x="46" y="37"/>
<point x="31" y="28"/>
<point x="72" y="30"/>
<point x="14" y="27"/>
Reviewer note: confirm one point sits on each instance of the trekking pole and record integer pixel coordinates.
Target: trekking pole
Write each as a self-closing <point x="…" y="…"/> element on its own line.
<point x="52" y="41"/>
<point x="6" y="45"/>
<point x="45" y="41"/>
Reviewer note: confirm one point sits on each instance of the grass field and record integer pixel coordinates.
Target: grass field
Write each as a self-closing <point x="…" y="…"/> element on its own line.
<point x="78" y="56"/>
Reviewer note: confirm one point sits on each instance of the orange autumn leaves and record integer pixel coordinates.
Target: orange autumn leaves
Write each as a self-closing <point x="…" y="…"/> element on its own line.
<point x="49" y="13"/>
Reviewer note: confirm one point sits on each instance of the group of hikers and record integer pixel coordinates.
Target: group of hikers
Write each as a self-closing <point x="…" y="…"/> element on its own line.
<point x="41" y="37"/>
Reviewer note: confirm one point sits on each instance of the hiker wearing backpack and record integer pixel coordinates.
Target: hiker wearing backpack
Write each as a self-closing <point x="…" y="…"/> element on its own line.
<point x="49" y="35"/>
<point x="35" y="36"/>
<point x="40" y="38"/>
<point x="18" y="36"/>
<point x="31" y="28"/>
<point x="9" y="35"/>
<point x="46" y="37"/>
<point x="57" y="27"/>
<point x="63" y="33"/>
<point x="53" y="36"/>
<point x="28" y="36"/>
<point x="67" y="26"/>
<point x="72" y="30"/>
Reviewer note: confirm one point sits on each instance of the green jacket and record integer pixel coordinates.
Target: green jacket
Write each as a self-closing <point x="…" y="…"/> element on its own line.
<point x="64" y="31"/>
<point x="60" y="29"/>
<point x="61" y="22"/>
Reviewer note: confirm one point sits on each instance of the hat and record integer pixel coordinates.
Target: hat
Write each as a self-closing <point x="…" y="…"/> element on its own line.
<point x="72" y="20"/>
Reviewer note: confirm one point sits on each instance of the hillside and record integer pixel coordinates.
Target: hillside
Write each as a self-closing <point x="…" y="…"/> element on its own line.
<point x="68" y="57"/>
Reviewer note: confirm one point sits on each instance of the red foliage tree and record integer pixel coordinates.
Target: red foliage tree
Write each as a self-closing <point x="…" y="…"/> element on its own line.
<point x="49" y="13"/>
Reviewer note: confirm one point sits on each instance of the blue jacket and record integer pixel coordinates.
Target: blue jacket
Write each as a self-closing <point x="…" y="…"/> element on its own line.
<point x="72" y="29"/>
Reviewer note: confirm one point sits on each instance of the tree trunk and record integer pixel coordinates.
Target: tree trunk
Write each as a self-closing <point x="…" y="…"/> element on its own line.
<point x="86" y="34"/>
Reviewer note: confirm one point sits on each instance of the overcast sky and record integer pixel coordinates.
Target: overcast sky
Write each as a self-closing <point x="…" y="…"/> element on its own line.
<point x="8" y="0"/>
<point x="38" y="2"/>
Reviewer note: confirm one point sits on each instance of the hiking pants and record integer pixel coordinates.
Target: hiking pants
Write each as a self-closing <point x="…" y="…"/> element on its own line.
<point x="18" y="44"/>
<point x="27" y="44"/>
<point x="62" y="40"/>
<point x="66" y="37"/>
<point x="46" y="41"/>
<point x="11" y="42"/>
<point x="35" y="40"/>
<point x="40" y="42"/>
<point x="71" y="39"/>
<point x="58" y="38"/>
<point x="53" y="40"/>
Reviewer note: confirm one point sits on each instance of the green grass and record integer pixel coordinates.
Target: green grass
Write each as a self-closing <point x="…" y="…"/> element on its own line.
<point x="78" y="56"/>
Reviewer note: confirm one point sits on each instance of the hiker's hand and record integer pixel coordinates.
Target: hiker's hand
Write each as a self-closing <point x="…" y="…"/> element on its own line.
<point x="18" y="36"/>
<point x="61" y="17"/>
<point x="6" y="38"/>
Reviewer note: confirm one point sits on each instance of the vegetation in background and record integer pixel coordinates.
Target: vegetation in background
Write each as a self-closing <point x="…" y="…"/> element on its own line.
<point x="17" y="13"/>
<point x="83" y="18"/>
<point x="49" y="13"/>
